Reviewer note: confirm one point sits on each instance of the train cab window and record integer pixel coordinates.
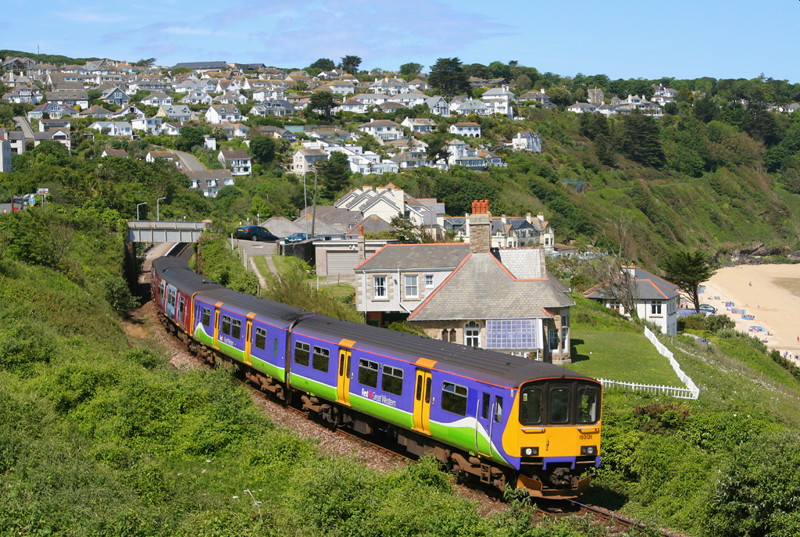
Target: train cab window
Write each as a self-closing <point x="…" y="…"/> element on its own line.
<point x="588" y="404"/>
<point x="498" y="409"/>
<point x="301" y="352"/>
<point x="261" y="338"/>
<point x="454" y="398"/>
<point x="392" y="380"/>
<point x="558" y="405"/>
<point x="206" y="317"/>
<point x="368" y="373"/>
<point x="487" y="399"/>
<point x="530" y="406"/>
<point x="320" y="359"/>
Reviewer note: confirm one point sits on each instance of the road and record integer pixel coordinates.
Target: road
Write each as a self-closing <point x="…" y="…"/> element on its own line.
<point x="23" y="123"/>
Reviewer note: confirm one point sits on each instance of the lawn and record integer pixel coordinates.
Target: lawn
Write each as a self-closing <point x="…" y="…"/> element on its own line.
<point x="622" y="356"/>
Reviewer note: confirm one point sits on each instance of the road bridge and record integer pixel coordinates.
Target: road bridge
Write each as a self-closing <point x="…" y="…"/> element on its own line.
<point x="178" y="231"/>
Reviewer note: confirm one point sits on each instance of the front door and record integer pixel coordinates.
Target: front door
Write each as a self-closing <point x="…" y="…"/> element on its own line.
<point x="422" y="401"/>
<point x="343" y="383"/>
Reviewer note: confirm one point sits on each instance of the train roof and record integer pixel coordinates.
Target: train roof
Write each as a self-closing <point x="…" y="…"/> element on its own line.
<point x="265" y="310"/>
<point x="489" y="366"/>
<point x="178" y="273"/>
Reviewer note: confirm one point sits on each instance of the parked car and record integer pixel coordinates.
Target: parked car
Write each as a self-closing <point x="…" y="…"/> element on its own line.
<point x="708" y="309"/>
<point x="297" y="237"/>
<point x="254" y="233"/>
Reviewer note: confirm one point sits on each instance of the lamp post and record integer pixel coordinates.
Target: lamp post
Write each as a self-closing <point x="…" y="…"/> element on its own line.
<point x="158" y="208"/>
<point x="137" y="208"/>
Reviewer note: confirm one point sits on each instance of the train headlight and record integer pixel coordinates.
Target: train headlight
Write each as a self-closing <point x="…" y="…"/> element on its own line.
<point x="588" y="450"/>
<point x="530" y="451"/>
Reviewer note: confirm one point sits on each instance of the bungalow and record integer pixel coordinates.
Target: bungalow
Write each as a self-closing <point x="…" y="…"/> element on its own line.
<point x="421" y="125"/>
<point x="467" y="128"/>
<point x="113" y="128"/>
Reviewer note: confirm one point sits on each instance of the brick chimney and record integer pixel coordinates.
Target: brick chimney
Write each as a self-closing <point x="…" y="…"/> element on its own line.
<point x="361" y="244"/>
<point x="480" y="228"/>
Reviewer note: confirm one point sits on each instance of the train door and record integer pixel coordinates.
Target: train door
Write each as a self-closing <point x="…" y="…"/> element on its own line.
<point x="216" y="327"/>
<point x="422" y="401"/>
<point x="343" y="382"/>
<point x="170" y="303"/>
<point x="248" y="341"/>
<point x="483" y="433"/>
<point x="181" y="309"/>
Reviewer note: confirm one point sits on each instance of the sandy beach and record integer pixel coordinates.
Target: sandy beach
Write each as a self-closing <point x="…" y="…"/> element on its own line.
<point x="770" y="294"/>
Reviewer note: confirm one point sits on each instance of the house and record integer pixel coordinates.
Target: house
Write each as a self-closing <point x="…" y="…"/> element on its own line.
<point x="157" y="98"/>
<point x="303" y="160"/>
<point x="150" y="125"/>
<point x="235" y="160"/>
<point x="73" y="98"/>
<point x="219" y="113"/>
<point x="116" y="97"/>
<point x="382" y="129"/>
<point x="174" y="112"/>
<point x="466" y="128"/>
<point x="52" y="110"/>
<point x="527" y="141"/>
<point x="420" y="125"/>
<point x="97" y="111"/>
<point x="582" y="108"/>
<point x="460" y="154"/>
<point x="467" y="107"/>
<point x="209" y="182"/>
<point x="663" y="95"/>
<point x="231" y="97"/>
<point x="61" y="136"/>
<point x="113" y="128"/>
<point x="539" y="97"/>
<point x="273" y="107"/>
<point x="442" y="289"/>
<point x="654" y="299"/>
<point x="153" y="156"/>
<point x="121" y="153"/>
<point x="438" y="106"/>
<point x="130" y="110"/>
<point x="23" y="95"/>
<point x="197" y="97"/>
<point x="500" y="100"/>
<point x="170" y="128"/>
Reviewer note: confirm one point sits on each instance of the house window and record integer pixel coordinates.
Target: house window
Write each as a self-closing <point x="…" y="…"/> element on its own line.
<point x="472" y="334"/>
<point x="428" y="281"/>
<point x="552" y="337"/>
<point x="412" y="290"/>
<point x="379" y="286"/>
<point x="655" y="307"/>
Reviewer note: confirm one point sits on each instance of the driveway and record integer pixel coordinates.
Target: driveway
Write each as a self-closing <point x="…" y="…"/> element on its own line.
<point x="189" y="162"/>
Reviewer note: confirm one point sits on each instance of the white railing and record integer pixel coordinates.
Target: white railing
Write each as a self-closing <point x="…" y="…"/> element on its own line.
<point x="691" y="391"/>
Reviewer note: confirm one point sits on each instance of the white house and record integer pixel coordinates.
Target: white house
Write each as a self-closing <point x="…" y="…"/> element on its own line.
<point x="527" y="141"/>
<point x="466" y="128"/>
<point x="235" y="160"/>
<point x="382" y="129"/>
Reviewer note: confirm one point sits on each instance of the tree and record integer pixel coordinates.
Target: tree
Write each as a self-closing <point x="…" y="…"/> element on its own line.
<point x="410" y="69"/>
<point x="188" y="138"/>
<point x="145" y="62"/>
<point x="323" y="64"/>
<point x="640" y="140"/>
<point x="350" y="64"/>
<point x="322" y="102"/>
<point x="448" y="76"/>
<point x="263" y="149"/>
<point x="334" y="174"/>
<point x="407" y="233"/>
<point x="688" y="270"/>
<point x="524" y="83"/>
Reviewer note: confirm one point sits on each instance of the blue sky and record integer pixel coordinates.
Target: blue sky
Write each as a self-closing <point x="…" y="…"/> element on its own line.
<point x="623" y="39"/>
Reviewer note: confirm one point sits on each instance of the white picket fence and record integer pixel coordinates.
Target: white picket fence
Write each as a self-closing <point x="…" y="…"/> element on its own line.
<point x="691" y="391"/>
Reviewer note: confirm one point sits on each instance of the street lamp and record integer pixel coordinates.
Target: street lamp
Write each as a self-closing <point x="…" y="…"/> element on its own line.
<point x="137" y="208"/>
<point x="158" y="208"/>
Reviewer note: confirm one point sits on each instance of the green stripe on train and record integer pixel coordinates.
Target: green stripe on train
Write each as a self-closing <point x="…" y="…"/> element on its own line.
<point x="271" y="370"/>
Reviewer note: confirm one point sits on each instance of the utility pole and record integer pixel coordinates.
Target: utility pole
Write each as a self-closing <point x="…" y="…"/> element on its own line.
<point x="314" y="208"/>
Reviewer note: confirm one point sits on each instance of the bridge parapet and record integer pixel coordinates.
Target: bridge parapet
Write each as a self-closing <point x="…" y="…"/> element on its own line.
<point x="178" y="231"/>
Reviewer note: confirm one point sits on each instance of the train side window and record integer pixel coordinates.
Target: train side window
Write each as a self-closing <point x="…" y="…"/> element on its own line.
<point x="321" y="359"/>
<point x="206" y="318"/>
<point x="261" y="338"/>
<point x="558" y="405"/>
<point x="226" y="325"/>
<point x="275" y="346"/>
<point x="368" y="373"/>
<point x="301" y="352"/>
<point x="588" y="404"/>
<point x="498" y="409"/>
<point x="171" y="298"/>
<point x="454" y="398"/>
<point x="392" y="380"/>
<point x="530" y="406"/>
<point x="161" y="286"/>
<point x="485" y="406"/>
<point x="236" y="328"/>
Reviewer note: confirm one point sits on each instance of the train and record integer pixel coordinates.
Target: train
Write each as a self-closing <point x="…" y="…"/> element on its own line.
<point x="501" y="419"/>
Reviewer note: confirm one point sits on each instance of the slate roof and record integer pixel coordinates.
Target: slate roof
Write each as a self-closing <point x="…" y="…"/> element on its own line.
<point x="646" y="286"/>
<point x="416" y="256"/>
<point x="463" y="296"/>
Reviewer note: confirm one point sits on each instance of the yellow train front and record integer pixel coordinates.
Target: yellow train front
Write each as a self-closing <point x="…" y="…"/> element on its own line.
<point x="554" y="428"/>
